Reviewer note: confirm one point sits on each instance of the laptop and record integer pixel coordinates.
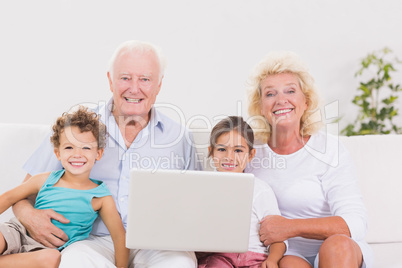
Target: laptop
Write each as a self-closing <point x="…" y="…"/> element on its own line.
<point x="189" y="210"/>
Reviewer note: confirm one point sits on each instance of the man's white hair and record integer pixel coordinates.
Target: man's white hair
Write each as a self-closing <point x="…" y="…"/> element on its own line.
<point x="141" y="47"/>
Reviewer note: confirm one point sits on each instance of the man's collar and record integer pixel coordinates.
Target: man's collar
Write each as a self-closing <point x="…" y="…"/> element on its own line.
<point x="155" y="119"/>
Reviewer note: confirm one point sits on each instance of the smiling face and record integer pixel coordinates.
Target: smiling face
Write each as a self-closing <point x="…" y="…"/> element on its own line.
<point x="282" y="101"/>
<point x="135" y="84"/>
<point x="231" y="152"/>
<point x="78" y="151"/>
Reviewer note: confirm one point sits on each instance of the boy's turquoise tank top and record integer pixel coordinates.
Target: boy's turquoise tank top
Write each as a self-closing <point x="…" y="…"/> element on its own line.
<point x="73" y="204"/>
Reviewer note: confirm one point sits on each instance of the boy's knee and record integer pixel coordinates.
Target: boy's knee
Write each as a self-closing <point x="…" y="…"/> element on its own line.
<point x="49" y="257"/>
<point x="3" y="244"/>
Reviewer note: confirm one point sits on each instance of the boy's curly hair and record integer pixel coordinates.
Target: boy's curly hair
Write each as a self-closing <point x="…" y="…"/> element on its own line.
<point x="85" y="120"/>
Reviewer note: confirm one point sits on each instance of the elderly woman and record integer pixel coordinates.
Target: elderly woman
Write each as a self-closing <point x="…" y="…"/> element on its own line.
<point x="323" y="216"/>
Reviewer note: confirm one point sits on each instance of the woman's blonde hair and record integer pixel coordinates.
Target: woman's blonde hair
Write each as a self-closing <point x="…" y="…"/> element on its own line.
<point x="278" y="63"/>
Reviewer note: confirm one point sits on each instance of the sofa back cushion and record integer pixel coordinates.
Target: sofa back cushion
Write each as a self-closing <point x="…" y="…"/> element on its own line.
<point x="378" y="159"/>
<point x="17" y="143"/>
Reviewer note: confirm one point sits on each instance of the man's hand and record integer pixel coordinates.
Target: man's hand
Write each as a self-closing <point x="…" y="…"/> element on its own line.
<point x="274" y="228"/>
<point x="39" y="226"/>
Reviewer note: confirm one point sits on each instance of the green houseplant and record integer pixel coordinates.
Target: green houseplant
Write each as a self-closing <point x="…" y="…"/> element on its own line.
<point x="377" y="95"/>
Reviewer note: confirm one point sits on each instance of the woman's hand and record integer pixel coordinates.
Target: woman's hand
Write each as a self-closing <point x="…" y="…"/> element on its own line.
<point x="274" y="228"/>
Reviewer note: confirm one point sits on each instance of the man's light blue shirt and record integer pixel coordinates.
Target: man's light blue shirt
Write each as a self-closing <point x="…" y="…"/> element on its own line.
<point x="162" y="144"/>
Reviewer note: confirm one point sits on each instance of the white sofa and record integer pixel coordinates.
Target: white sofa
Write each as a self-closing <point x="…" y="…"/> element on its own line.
<point x="378" y="160"/>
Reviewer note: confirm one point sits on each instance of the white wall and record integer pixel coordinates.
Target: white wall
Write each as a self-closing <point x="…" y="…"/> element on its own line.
<point x="54" y="53"/>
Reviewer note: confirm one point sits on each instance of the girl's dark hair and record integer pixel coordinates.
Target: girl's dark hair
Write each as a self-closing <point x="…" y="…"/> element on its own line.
<point x="232" y="123"/>
<point x="85" y="120"/>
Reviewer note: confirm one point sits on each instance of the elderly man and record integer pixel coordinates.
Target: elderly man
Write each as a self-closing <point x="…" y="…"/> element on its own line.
<point x="139" y="136"/>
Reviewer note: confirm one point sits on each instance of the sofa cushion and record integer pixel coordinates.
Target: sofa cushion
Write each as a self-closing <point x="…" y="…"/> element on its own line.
<point x="386" y="255"/>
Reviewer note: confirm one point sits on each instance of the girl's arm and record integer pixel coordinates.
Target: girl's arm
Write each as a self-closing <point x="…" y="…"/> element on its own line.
<point x="275" y="254"/>
<point x="112" y="220"/>
<point x="22" y="191"/>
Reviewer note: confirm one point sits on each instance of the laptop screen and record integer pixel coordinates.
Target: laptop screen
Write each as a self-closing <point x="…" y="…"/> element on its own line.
<point x="189" y="210"/>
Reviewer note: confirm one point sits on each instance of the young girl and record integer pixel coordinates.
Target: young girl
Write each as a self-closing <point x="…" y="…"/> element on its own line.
<point x="78" y="140"/>
<point x="231" y="148"/>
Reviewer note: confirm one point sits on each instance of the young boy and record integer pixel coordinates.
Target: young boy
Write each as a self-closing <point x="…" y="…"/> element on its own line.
<point x="78" y="139"/>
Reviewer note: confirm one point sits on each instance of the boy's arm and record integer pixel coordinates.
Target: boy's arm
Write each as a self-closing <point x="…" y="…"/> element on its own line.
<point x="112" y="220"/>
<point x="275" y="254"/>
<point x="22" y="191"/>
<point x="38" y="222"/>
